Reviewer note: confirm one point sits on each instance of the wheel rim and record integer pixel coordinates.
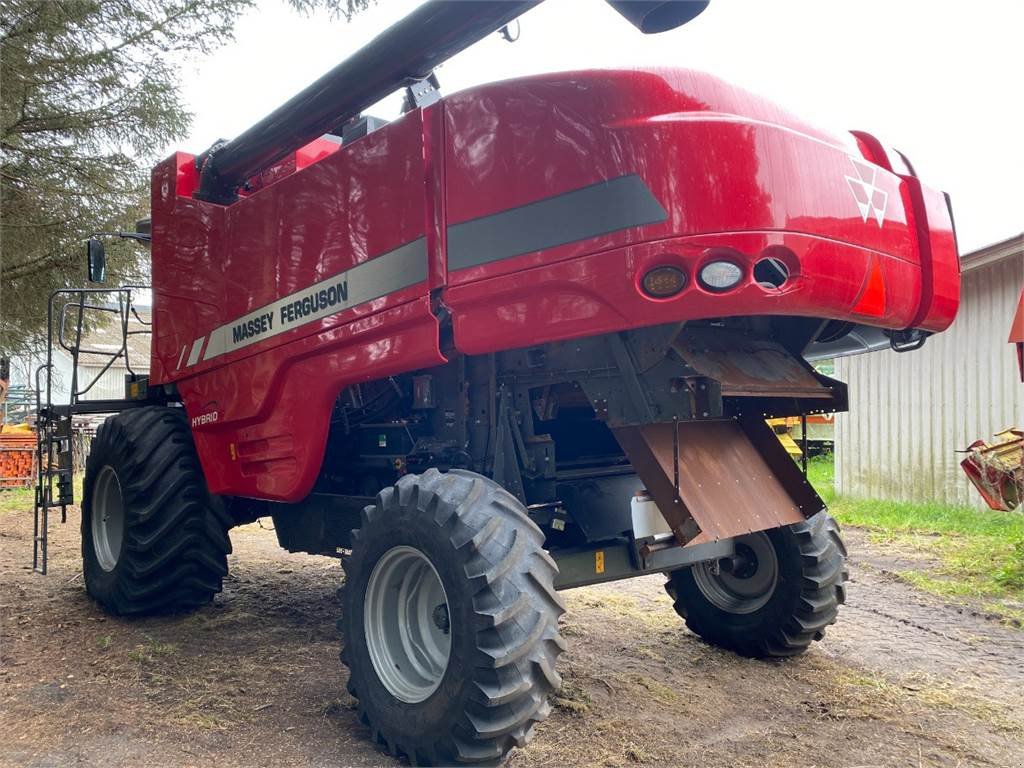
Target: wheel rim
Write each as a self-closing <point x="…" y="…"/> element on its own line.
<point x="407" y="624"/>
<point x="745" y="582"/>
<point x="107" y="518"/>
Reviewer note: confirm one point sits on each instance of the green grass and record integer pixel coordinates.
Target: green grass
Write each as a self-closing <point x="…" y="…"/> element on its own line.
<point x="149" y="651"/>
<point x="23" y="499"/>
<point x="16" y="500"/>
<point x="968" y="552"/>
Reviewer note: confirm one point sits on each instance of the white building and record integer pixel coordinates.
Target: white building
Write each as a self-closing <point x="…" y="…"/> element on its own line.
<point x="104" y="341"/>
<point x="910" y="413"/>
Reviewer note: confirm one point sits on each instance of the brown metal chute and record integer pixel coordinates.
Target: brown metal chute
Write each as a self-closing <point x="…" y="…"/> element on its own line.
<point x="718" y="479"/>
<point x="746" y="366"/>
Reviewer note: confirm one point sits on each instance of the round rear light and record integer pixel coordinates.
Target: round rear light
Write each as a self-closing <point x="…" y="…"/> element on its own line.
<point x="720" y="275"/>
<point x="663" y="282"/>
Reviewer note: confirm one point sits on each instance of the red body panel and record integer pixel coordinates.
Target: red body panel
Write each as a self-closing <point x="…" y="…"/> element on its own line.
<point x="260" y="414"/>
<point x="600" y="293"/>
<point x="427" y="207"/>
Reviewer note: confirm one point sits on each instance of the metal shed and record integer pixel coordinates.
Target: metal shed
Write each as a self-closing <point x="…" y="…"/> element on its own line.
<point x="109" y="384"/>
<point x="106" y="340"/>
<point x="910" y="413"/>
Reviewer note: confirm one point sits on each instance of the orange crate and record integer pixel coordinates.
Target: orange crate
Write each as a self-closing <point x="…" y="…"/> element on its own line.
<point x="17" y="458"/>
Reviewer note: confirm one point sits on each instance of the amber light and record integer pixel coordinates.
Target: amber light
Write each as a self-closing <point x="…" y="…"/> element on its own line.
<point x="662" y="282"/>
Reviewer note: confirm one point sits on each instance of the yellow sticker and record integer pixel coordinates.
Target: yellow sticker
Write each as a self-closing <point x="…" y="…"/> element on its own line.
<point x="599" y="561"/>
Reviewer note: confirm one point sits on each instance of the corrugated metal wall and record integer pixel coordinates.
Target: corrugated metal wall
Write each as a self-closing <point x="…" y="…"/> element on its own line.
<point x="910" y="412"/>
<point x="110" y="385"/>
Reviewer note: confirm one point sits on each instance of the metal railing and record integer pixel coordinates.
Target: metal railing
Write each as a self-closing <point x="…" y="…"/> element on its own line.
<point x="55" y="437"/>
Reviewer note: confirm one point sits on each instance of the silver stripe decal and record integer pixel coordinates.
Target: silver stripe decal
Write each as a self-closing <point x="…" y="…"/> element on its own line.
<point x="197" y="346"/>
<point x="181" y="357"/>
<point x="392" y="271"/>
<point x="581" y="214"/>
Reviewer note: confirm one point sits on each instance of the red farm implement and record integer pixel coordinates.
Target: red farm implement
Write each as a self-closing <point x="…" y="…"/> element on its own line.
<point x="453" y="348"/>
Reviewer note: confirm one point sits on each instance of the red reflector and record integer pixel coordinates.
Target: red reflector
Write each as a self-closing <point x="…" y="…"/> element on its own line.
<point x="1017" y="327"/>
<point x="872" y="295"/>
<point x="1017" y="333"/>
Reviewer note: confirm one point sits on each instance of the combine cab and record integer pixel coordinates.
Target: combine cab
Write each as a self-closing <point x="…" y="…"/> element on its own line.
<point x="523" y="338"/>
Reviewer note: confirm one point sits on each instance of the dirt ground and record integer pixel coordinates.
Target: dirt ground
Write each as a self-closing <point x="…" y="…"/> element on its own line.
<point x="254" y="679"/>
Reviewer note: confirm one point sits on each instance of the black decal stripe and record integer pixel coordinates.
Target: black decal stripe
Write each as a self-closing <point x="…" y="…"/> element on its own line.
<point x="581" y="214"/>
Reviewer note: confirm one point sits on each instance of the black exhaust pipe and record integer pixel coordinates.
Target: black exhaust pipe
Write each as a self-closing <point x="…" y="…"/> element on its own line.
<point x="404" y="54"/>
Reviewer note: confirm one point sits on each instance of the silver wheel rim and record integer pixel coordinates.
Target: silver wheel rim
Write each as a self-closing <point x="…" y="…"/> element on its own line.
<point x="107" y="518"/>
<point x="751" y="586"/>
<point x="407" y="624"/>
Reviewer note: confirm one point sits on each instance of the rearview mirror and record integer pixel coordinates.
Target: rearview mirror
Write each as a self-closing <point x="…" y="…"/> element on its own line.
<point x="97" y="261"/>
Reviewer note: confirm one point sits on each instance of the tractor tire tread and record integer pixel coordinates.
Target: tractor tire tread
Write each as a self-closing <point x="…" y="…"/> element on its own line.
<point x="174" y="554"/>
<point x="823" y="576"/>
<point x="516" y="612"/>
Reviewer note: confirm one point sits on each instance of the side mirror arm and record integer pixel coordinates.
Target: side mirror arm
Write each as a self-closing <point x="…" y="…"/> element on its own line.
<point x="96" y="254"/>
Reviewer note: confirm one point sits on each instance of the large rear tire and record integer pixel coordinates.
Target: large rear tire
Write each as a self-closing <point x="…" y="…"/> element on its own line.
<point x="450" y="620"/>
<point x="775" y="598"/>
<point x="153" y="539"/>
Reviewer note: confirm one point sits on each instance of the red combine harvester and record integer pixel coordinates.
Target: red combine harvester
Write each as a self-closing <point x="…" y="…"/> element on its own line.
<point x="521" y="339"/>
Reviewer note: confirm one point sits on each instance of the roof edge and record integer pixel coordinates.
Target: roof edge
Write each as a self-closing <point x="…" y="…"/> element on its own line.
<point x="990" y="254"/>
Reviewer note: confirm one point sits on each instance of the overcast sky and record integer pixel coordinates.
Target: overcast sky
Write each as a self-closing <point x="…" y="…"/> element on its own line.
<point x="941" y="81"/>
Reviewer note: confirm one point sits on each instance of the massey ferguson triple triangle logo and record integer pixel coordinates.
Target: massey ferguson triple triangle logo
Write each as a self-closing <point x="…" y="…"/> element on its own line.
<point x="870" y="199"/>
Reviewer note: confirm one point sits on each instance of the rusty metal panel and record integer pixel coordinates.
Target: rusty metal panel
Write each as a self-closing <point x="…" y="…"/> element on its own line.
<point x="746" y="366"/>
<point x="910" y="413"/>
<point x="781" y="465"/>
<point x="709" y="478"/>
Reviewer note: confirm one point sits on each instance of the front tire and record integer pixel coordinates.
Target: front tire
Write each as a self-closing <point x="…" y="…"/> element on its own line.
<point x="775" y="598"/>
<point x="153" y="539"/>
<point x="450" y="620"/>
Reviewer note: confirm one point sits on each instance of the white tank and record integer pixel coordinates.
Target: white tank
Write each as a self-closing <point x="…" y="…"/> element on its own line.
<point x="647" y="518"/>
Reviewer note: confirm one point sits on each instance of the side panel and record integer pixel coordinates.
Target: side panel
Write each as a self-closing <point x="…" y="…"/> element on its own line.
<point x="188" y="240"/>
<point x="326" y="221"/>
<point x="269" y="442"/>
<point x="932" y="224"/>
<point x="270" y="306"/>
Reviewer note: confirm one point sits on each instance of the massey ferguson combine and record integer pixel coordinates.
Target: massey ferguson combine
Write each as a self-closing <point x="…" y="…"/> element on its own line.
<point x="523" y="338"/>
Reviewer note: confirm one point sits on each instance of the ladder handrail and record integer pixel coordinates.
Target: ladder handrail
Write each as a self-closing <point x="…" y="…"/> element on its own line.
<point x="42" y="494"/>
<point x="123" y="310"/>
<point x="54" y="427"/>
<point x="63" y="322"/>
